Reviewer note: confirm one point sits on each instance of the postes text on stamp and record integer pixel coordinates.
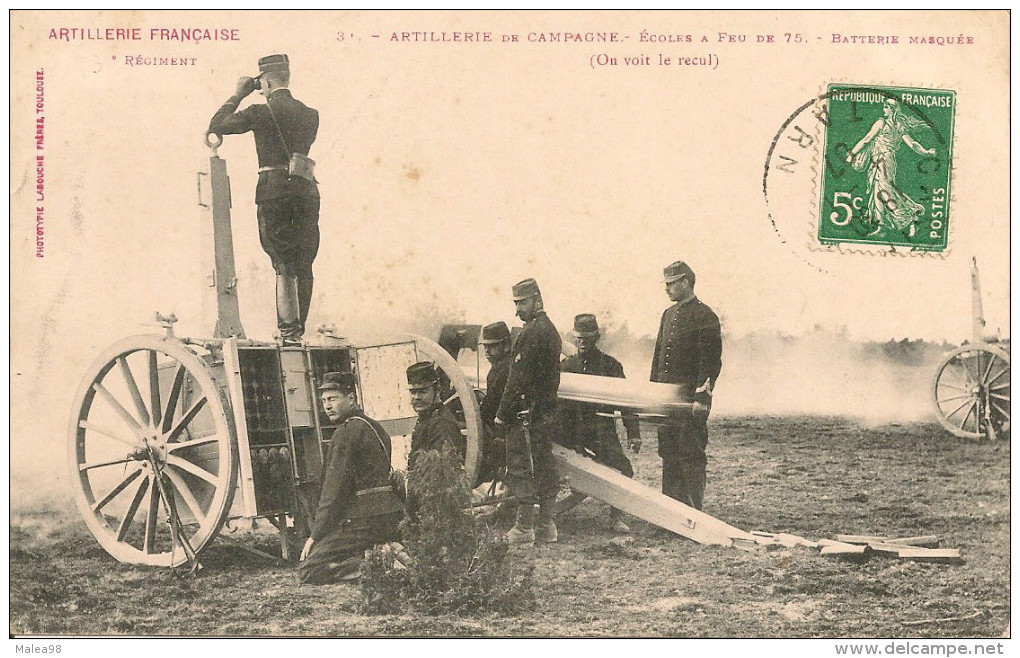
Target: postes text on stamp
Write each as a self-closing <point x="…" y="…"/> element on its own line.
<point x="887" y="166"/>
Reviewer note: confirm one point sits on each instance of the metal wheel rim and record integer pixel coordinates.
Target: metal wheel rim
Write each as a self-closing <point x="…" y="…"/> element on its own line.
<point x="465" y="392"/>
<point x="960" y="402"/>
<point x="202" y="495"/>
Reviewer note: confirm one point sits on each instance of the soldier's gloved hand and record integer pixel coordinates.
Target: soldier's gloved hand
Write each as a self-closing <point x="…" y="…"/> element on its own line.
<point x="700" y="410"/>
<point x="635" y="444"/>
<point x="306" y="549"/>
<point x="498" y="421"/>
<point x="245" y="86"/>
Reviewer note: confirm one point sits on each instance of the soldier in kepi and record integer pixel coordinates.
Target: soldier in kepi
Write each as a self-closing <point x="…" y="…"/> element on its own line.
<point x="358" y="508"/>
<point x="287" y="195"/>
<point x="496" y="343"/>
<point x="589" y="428"/>
<point x="436" y="426"/>
<point x="688" y="353"/>
<point x="528" y="412"/>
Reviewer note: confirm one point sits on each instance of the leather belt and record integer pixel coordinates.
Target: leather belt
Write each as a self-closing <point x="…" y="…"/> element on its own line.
<point x="273" y="168"/>
<point x="365" y="492"/>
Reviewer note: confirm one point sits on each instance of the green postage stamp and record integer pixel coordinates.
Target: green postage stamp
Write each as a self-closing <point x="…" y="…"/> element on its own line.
<point x="887" y="164"/>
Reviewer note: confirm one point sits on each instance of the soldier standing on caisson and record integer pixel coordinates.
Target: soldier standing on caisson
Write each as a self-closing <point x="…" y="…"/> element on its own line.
<point x="531" y="387"/>
<point x="688" y="353"/>
<point x="357" y="507"/>
<point x="580" y="424"/>
<point x="287" y="195"/>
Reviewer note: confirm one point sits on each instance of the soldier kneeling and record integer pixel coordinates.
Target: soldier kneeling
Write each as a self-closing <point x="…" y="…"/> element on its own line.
<point x="358" y="508"/>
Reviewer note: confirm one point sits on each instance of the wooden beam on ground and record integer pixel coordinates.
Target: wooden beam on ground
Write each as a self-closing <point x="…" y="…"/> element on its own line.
<point x="860" y="539"/>
<point x="609" y="486"/>
<point x="950" y="555"/>
<point x="929" y="541"/>
<point x="855" y="552"/>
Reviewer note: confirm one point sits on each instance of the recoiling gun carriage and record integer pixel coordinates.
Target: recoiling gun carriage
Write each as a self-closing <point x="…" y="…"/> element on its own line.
<point x="171" y="437"/>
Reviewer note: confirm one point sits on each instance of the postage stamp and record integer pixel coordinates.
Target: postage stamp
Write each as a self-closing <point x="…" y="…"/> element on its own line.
<point x="887" y="164"/>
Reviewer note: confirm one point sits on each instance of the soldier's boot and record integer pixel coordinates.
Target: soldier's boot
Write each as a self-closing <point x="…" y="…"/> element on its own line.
<point x="523" y="532"/>
<point x="616" y="522"/>
<point x="305" y="282"/>
<point x="288" y="313"/>
<point x="545" y="532"/>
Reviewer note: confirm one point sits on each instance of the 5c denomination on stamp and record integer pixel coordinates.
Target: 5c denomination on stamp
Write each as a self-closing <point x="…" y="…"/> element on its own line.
<point x="886" y="169"/>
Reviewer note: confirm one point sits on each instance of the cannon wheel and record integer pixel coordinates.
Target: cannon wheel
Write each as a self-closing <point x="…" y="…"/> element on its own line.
<point x="464" y="393"/>
<point x="149" y="405"/>
<point x="971" y="391"/>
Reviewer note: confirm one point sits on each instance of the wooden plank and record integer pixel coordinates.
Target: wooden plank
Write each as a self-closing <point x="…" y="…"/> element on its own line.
<point x="886" y="549"/>
<point x="846" y="551"/>
<point x="950" y="555"/>
<point x="609" y="486"/>
<point x="795" y="540"/>
<point x="930" y="541"/>
<point x="860" y="539"/>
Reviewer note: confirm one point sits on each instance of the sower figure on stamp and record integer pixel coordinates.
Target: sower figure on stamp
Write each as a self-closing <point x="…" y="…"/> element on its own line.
<point x="496" y="343"/>
<point x="357" y="506"/>
<point x="581" y="426"/>
<point x="688" y="353"/>
<point x="528" y="411"/>
<point x="287" y="195"/>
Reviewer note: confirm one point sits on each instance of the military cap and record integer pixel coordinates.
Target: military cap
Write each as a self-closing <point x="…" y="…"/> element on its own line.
<point x="676" y="271"/>
<point x="345" y="382"/>
<point x="496" y="332"/>
<point x="585" y="325"/>
<point x="274" y="63"/>
<point x="525" y="289"/>
<point x="421" y="375"/>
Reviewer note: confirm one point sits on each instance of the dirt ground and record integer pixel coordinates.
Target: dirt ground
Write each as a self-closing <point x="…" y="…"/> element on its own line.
<point x="811" y="476"/>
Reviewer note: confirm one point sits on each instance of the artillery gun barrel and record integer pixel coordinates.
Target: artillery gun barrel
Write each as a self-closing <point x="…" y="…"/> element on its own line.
<point x="649" y="398"/>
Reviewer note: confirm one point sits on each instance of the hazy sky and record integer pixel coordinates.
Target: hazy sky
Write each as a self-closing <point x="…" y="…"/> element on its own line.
<point x="450" y="171"/>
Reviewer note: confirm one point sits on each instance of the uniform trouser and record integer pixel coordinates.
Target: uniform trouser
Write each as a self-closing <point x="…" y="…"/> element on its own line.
<point x="543" y="483"/>
<point x="682" y="447"/>
<point x="609" y="452"/>
<point x="289" y="233"/>
<point x="350" y="540"/>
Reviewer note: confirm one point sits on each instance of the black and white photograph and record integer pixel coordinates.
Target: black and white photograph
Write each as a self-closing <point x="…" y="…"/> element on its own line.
<point x="510" y="324"/>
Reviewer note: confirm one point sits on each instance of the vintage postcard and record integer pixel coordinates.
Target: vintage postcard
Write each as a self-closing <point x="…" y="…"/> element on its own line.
<point x="753" y="373"/>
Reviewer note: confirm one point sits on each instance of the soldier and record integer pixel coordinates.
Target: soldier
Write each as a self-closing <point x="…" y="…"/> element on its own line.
<point x="688" y="353"/>
<point x="531" y="387"/>
<point x="496" y="343"/>
<point x="287" y="195"/>
<point x="436" y="425"/>
<point x="581" y="426"/>
<point x="357" y="507"/>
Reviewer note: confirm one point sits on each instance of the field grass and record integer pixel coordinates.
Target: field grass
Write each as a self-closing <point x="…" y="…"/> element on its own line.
<point x="811" y="476"/>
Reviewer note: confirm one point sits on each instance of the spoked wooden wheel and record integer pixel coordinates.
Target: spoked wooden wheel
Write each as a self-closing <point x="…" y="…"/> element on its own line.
<point x="152" y="440"/>
<point x="462" y="397"/>
<point x="971" y="391"/>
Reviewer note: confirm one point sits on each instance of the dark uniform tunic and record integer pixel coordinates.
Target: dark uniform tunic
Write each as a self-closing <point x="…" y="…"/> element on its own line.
<point x="434" y="429"/>
<point x="688" y="352"/>
<point x="533" y="383"/>
<point x="357" y="507"/>
<point x="581" y="426"/>
<point x="288" y="206"/>
<point x="494" y="450"/>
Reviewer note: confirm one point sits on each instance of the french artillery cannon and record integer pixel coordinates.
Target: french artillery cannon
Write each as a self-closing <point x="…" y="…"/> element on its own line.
<point x="971" y="387"/>
<point x="171" y="437"/>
